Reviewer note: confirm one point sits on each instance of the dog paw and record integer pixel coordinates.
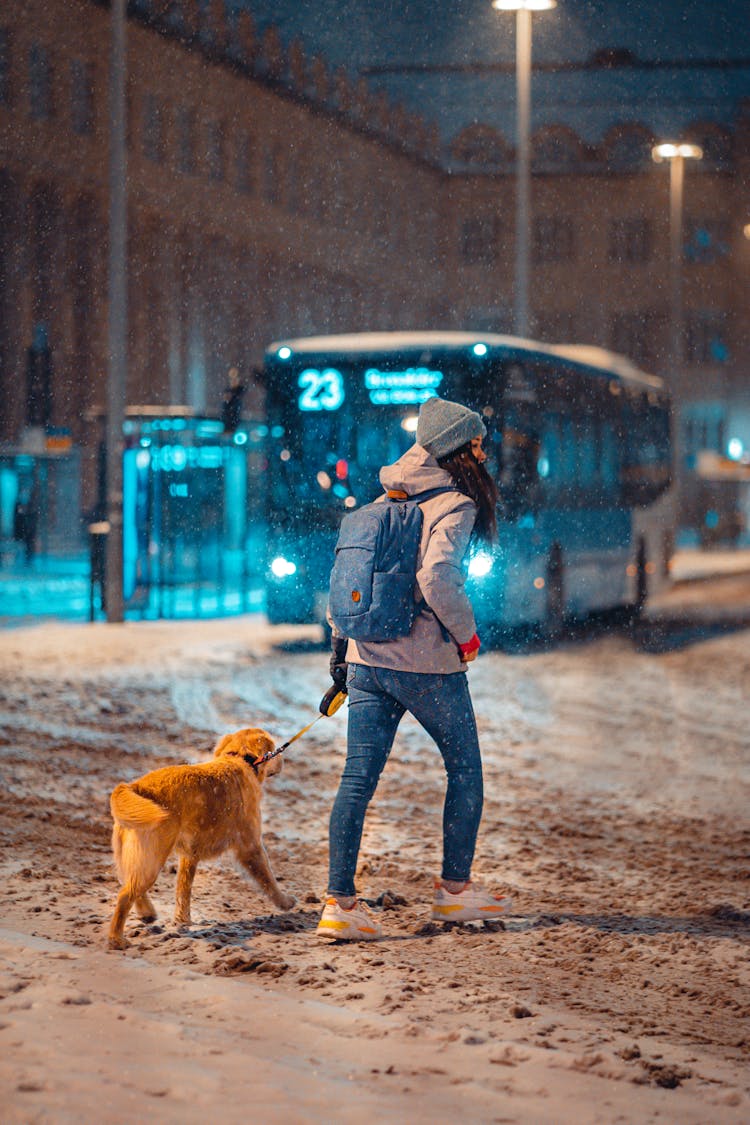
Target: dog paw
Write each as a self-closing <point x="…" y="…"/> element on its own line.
<point x="286" y="902"/>
<point x="117" y="943"/>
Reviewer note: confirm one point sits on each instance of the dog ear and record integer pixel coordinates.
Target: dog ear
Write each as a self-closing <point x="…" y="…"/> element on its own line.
<point x="227" y="745"/>
<point x="256" y="742"/>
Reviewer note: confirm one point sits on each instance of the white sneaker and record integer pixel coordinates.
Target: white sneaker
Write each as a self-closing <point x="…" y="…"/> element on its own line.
<point x="355" y="924"/>
<point x="469" y="905"/>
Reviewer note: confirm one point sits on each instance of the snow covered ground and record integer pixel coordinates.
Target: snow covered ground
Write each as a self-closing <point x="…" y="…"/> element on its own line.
<point x="618" y="790"/>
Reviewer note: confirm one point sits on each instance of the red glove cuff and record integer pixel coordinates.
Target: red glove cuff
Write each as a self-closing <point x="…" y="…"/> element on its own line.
<point x="470" y="646"/>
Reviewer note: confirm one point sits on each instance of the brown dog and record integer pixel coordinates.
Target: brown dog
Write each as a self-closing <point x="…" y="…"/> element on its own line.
<point x="199" y="812"/>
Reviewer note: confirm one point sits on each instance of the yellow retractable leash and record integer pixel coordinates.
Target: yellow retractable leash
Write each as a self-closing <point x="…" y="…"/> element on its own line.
<point x="329" y="705"/>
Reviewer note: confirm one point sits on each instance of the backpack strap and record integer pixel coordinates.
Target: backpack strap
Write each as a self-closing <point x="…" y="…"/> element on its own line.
<point x="398" y="494"/>
<point x="430" y="492"/>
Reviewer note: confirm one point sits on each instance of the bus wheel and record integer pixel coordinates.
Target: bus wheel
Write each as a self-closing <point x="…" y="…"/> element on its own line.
<point x="554" y="616"/>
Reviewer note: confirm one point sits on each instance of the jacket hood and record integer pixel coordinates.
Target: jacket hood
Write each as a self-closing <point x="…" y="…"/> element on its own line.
<point x="415" y="471"/>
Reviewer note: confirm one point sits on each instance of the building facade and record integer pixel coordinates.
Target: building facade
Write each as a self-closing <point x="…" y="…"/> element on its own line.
<point x="269" y="196"/>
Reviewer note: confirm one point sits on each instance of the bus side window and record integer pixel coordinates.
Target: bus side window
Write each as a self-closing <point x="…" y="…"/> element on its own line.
<point x="588" y="459"/>
<point x="609" y="462"/>
<point x="550" y="463"/>
<point x="517" y="476"/>
<point x="519" y="460"/>
<point x="646" y="470"/>
<point x="560" y="458"/>
<point x="570" y="475"/>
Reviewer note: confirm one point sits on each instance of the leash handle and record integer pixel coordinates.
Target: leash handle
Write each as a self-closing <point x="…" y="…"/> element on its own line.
<point x="332" y="700"/>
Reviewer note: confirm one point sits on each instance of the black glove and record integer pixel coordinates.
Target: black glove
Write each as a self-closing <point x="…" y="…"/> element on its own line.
<point x="338" y="666"/>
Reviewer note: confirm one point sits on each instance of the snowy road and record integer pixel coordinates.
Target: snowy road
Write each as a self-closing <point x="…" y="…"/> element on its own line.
<point x="618" y="789"/>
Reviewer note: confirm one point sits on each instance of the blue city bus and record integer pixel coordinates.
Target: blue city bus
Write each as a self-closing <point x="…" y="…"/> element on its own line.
<point x="578" y="441"/>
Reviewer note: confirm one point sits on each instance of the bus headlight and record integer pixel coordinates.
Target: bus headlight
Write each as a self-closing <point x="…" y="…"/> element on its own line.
<point x="480" y="565"/>
<point x="283" y="568"/>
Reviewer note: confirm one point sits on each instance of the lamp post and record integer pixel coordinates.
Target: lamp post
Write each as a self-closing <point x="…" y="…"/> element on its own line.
<point x="675" y="154"/>
<point x="523" y="10"/>
<point x="117" y="314"/>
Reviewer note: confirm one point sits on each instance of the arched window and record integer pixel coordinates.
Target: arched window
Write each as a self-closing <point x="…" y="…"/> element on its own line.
<point x="627" y="147"/>
<point x="480" y="145"/>
<point x="557" y="149"/>
<point x="715" y="142"/>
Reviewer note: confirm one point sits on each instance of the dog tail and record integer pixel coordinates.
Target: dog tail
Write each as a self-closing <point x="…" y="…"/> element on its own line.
<point x="130" y="810"/>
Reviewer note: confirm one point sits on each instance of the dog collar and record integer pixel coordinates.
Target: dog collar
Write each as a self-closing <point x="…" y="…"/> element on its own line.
<point x="255" y="762"/>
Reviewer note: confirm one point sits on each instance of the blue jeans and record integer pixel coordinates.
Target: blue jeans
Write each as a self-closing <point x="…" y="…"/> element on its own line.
<point x="378" y="698"/>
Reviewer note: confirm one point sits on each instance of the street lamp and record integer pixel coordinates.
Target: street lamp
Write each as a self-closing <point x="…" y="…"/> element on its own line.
<point x="118" y="314"/>
<point x="676" y="154"/>
<point x="523" y="10"/>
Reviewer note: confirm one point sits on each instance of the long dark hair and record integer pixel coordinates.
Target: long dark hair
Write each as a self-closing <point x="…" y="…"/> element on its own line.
<point x="474" y="481"/>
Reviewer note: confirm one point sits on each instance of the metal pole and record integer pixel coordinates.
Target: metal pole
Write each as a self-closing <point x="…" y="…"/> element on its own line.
<point x="676" y="191"/>
<point x="676" y="187"/>
<point x="118" y="313"/>
<point x="523" y="169"/>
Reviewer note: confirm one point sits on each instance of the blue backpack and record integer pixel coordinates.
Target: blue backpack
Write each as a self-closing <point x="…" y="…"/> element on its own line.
<point x="374" y="573"/>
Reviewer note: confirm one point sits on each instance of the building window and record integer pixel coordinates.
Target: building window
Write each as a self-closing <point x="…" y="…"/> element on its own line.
<point x="630" y="240"/>
<point x="706" y="338"/>
<point x="215" y="151"/>
<point x="481" y="145"/>
<point x="295" y="188"/>
<point x="553" y="239"/>
<point x="186" y="140"/>
<point x="271" y="173"/>
<point x="333" y="197"/>
<point x="706" y="240"/>
<point x="153" y="130"/>
<point x="245" y="164"/>
<point x="628" y="148"/>
<point x="44" y="216"/>
<point x="5" y="67"/>
<point x="40" y="83"/>
<point x="703" y="428"/>
<point x="81" y="97"/>
<point x="83" y="242"/>
<point x="479" y="240"/>
<point x="637" y="335"/>
<point x="316" y="192"/>
<point x="558" y="150"/>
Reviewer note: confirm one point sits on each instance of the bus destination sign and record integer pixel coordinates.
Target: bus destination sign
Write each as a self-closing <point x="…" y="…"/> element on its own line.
<point x="412" y="386"/>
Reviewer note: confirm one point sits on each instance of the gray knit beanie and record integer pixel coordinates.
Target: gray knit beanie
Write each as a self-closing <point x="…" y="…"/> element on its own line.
<point x="443" y="426"/>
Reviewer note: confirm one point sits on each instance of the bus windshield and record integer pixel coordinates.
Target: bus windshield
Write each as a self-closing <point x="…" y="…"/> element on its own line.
<point x="335" y="421"/>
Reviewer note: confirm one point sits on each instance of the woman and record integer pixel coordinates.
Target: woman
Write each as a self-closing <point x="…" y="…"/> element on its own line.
<point x="423" y="673"/>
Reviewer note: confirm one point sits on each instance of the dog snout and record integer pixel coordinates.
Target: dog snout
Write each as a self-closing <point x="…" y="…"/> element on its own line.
<point x="274" y="766"/>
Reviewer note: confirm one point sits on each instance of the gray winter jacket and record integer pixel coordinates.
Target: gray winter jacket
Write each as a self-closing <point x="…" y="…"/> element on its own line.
<point x="447" y="619"/>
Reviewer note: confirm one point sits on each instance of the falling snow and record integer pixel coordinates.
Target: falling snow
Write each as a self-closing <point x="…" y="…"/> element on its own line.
<point x="617" y="795"/>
